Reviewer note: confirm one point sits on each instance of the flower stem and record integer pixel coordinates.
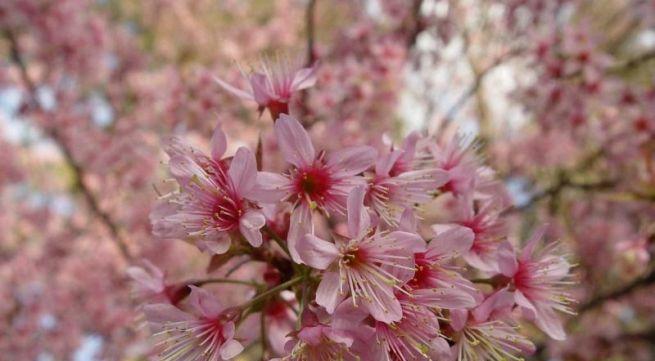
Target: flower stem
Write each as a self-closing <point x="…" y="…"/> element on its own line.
<point x="222" y="280"/>
<point x="274" y="290"/>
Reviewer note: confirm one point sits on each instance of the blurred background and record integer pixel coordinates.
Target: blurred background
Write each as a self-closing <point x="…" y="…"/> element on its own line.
<point x="560" y="94"/>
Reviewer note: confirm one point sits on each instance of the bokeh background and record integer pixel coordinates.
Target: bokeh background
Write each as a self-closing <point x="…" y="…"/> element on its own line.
<point x="560" y="94"/>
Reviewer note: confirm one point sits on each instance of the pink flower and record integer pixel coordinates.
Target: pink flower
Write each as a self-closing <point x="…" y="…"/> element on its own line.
<point x="206" y="333"/>
<point x="149" y="281"/>
<point x="215" y="203"/>
<point x="396" y="186"/>
<point x="480" y="334"/>
<point x="436" y="283"/>
<point x="460" y="164"/>
<point x="318" y="341"/>
<point x="540" y="280"/>
<point x="274" y="84"/>
<point x="367" y="266"/>
<point x="412" y="337"/>
<point x="488" y="230"/>
<point x="316" y="180"/>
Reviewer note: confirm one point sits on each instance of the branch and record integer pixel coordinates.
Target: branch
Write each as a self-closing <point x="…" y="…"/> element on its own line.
<point x="619" y="68"/>
<point x="310" y="25"/>
<point x="416" y="24"/>
<point x="459" y="104"/>
<point x="78" y="170"/>
<point x="643" y="281"/>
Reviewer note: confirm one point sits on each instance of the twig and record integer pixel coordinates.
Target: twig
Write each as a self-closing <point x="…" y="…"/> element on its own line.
<point x="646" y="280"/>
<point x="459" y="104"/>
<point x="310" y="21"/>
<point x="78" y="170"/>
<point x="222" y="280"/>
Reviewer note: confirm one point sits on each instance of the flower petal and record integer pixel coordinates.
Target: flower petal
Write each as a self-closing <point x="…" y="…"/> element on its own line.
<point x="316" y="252"/>
<point x="270" y="188"/>
<point x="299" y="225"/>
<point x="548" y="321"/>
<point x="447" y="298"/>
<point x="218" y="143"/>
<point x="294" y="142"/>
<point x="451" y="240"/>
<point x="204" y="302"/>
<point x="507" y="263"/>
<point x="259" y="84"/>
<point x="352" y="161"/>
<point x="304" y="78"/>
<point x="328" y="293"/>
<point x="230" y="349"/>
<point x="358" y="218"/>
<point x="243" y="171"/>
<point x="249" y="226"/>
<point x="383" y="305"/>
<point x="159" y="315"/>
<point x="235" y="91"/>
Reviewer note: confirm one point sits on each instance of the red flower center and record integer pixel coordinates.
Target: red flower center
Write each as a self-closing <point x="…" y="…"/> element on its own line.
<point x="313" y="183"/>
<point x="422" y="273"/>
<point x="227" y="211"/>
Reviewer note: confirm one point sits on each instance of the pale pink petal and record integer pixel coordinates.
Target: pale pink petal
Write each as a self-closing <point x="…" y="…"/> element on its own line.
<point x="270" y="188"/>
<point x="149" y="281"/>
<point x="304" y="78"/>
<point x="507" y="263"/>
<point x="406" y="241"/>
<point x="383" y="305"/>
<point x="160" y="315"/>
<point x="358" y="218"/>
<point x="352" y="161"/>
<point x="458" y="319"/>
<point x="451" y="240"/>
<point x="230" y="349"/>
<point x="385" y="162"/>
<point x="440" y="349"/>
<point x="316" y="252"/>
<point x="205" y="303"/>
<point x="408" y="221"/>
<point x="548" y="321"/>
<point x="215" y="245"/>
<point x="556" y="267"/>
<point x="294" y="142"/>
<point x="184" y="168"/>
<point x="259" y="84"/>
<point x="243" y="171"/>
<point x="218" y="143"/>
<point x="235" y="91"/>
<point x="299" y="225"/>
<point x="447" y="298"/>
<point x="528" y="308"/>
<point x="328" y="293"/>
<point x="347" y="315"/>
<point x="531" y="244"/>
<point x="500" y="300"/>
<point x="249" y="226"/>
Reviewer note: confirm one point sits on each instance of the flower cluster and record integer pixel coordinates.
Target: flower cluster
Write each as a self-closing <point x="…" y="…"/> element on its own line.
<point x="394" y="253"/>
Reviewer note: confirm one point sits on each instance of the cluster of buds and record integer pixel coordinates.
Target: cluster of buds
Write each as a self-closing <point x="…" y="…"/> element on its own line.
<point x="370" y="254"/>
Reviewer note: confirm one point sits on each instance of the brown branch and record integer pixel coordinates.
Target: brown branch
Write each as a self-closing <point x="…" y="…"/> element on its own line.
<point x="619" y="68"/>
<point x="643" y="281"/>
<point x="55" y="135"/>
<point x="416" y="25"/>
<point x="310" y="28"/>
<point x="459" y="104"/>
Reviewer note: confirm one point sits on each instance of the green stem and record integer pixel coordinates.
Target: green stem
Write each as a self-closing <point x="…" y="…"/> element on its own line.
<point x="222" y="280"/>
<point x="273" y="291"/>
